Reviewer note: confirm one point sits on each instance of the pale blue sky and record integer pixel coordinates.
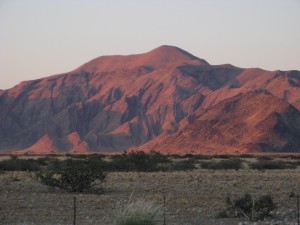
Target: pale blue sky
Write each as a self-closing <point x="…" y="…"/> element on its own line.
<point x="39" y="38"/>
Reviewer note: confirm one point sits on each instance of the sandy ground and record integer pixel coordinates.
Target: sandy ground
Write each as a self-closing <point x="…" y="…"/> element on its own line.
<point x="192" y="198"/>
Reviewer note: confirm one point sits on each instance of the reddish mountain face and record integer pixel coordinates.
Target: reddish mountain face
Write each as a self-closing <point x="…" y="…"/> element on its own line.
<point x="250" y="122"/>
<point x="113" y="103"/>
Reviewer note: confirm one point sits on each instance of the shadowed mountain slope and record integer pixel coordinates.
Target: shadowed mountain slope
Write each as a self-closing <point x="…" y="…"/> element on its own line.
<point x="250" y="122"/>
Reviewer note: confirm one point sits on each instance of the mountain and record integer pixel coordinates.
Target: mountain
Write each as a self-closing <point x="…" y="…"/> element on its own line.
<point x="114" y="103"/>
<point x="250" y="122"/>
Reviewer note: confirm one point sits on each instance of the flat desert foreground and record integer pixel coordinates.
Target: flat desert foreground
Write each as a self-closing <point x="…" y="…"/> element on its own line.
<point x="191" y="197"/>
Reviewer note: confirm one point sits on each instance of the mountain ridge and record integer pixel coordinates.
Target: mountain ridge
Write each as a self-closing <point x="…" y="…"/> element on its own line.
<point x="237" y="125"/>
<point x="113" y="103"/>
<point x="161" y="56"/>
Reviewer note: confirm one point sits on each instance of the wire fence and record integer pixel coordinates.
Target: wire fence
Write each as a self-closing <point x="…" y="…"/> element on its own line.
<point x="86" y="209"/>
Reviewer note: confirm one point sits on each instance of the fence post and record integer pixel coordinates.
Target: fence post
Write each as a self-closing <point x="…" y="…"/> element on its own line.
<point x="164" y="210"/>
<point x="298" y="213"/>
<point x="293" y="195"/>
<point x="74" y="220"/>
<point x="253" y="203"/>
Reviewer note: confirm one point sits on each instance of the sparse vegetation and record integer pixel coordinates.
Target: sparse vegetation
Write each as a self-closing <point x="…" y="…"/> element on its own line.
<point x="295" y="157"/>
<point x="72" y="175"/>
<point x="183" y="165"/>
<point x="272" y="165"/>
<point x="16" y="164"/>
<point x="150" y="162"/>
<point x="77" y="156"/>
<point x="203" y="157"/>
<point x="138" y="161"/>
<point x="221" y="156"/>
<point x="264" y="158"/>
<point x="249" y="207"/>
<point x="197" y="193"/>
<point x="245" y="156"/>
<point x="138" y="212"/>
<point x="188" y="156"/>
<point x="229" y="164"/>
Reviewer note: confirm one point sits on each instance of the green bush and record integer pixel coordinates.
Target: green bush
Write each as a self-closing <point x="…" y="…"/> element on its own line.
<point x="295" y="163"/>
<point x="138" y="161"/>
<point x="188" y="156"/>
<point x="16" y="164"/>
<point x="77" y="156"/>
<point x="244" y="156"/>
<point x="229" y="164"/>
<point x="264" y="158"/>
<point x="72" y="175"/>
<point x="264" y="206"/>
<point x="175" y="156"/>
<point x="183" y="165"/>
<point x="295" y="156"/>
<point x="139" y="212"/>
<point x="203" y="157"/>
<point x="221" y="156"/>
<point x="44" y="161"/>
<point x="246" y="207"/>
<point x="13" y="156"/>
<point x="272" y="165"/>
<point x="148" y="162"/>
<point x="96" y="156"/>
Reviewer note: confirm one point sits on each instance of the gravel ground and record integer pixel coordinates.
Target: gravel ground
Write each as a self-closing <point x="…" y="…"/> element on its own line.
<point x="192" y="198"/>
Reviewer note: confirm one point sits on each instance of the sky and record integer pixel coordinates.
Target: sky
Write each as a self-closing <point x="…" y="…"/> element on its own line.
<point x="39" y="38"/>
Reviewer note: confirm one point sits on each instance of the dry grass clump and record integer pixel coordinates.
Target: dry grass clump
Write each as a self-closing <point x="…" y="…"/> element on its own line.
<point x="137" y="212"/>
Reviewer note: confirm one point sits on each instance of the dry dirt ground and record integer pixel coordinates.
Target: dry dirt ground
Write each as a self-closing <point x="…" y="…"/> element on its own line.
<point x="191" y="198"/>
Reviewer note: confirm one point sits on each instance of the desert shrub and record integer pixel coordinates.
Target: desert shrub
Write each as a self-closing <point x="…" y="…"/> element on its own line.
<point x="53" y="163"/>
<point x="221" y="156"/>
<point x="72" y="175"/>
<point x="229" y="164"/>
<point x="203" y="157"/>
<point x="175" y="156"/>
<point x="43" y="161"/>
<point x="243" y="207"/>
<point x="185" y="156"/>
<point x="272" y="165"/>
<point x="264" y="158"/>
<point x="138" y="212"/>
<point x="77" y="156"/>
<point x="158" y="157"/>
<point x="135" y="161"/>
<point x="246" y="156"/>
<point x="294" y="163"/>
<point x="138" y="161"/>
<point x="96" y="156"/>
<point x="188" y="164"/>
<point x="189" y="155"/>
<point x="283" y="156"/>
<point x="13" y="156"/>
<point x="264" y="206"/>
<point x="53" y="155"/>
<point x="16" y="164"/>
